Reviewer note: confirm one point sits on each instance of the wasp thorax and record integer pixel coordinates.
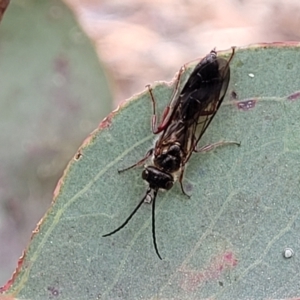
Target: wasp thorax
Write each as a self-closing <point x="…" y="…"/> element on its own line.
<point x="169" y="161"/>
<point x="157" y="179"/>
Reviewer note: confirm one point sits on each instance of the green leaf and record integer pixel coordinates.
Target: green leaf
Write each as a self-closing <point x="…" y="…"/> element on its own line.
<point x="53" y="93"/>
<point x="225" y="242"/>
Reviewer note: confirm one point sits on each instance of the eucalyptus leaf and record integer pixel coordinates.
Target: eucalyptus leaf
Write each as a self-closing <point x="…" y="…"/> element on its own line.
<point x="228" y="241"/>
<point x="53" y="93"/>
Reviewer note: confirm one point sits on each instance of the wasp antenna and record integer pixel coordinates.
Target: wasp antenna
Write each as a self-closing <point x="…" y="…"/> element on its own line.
<point x="153" y="223"/>
<point x="130" y="216"/>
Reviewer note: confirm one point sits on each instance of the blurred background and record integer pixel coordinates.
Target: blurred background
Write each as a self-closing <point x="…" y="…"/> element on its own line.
<point x="55" y="92"/>
<point x="141" y="41"/>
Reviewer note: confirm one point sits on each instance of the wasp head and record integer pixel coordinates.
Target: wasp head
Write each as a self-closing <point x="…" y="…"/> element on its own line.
<point x="157" y="179"/>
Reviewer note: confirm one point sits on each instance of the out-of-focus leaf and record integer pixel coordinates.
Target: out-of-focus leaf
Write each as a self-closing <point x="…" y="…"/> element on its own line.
<point x="225" y="242"/>
<point x="53" y="93"/>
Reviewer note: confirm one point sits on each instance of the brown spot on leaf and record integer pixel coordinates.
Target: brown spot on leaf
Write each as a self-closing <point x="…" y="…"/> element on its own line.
<point x="78" y="155"/>
<point x="106" y="121"/>
<point x="62" y="66"/>
<point x="54" y="292"/>
<point x="294" y="96"/>
<point x="194" y="279"/>
<point x="246" y="104"/>
<point x="15" y="274"/>
<point x="233" y="95"/>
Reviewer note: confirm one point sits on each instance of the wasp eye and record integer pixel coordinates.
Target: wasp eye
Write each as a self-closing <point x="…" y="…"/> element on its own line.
<point x="145" y="174"/>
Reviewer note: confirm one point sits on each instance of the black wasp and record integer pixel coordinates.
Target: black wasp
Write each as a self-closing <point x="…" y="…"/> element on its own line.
<point x="183" y="123"/>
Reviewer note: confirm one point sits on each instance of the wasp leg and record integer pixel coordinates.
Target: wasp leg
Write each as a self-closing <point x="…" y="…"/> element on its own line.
<point x="213" y="146"/>
<point x="158" y="127"/>
<point x="140" y="162"/>
<point x="153" y="120"/>
<point x="181" y="184"/>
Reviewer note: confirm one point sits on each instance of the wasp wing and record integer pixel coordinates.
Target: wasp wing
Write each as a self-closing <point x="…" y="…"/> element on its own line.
<point x="211" y="92"/>
<point x="216" y="91"/>
<point x="193" y="97"/>
<point x="197" y="104"/>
